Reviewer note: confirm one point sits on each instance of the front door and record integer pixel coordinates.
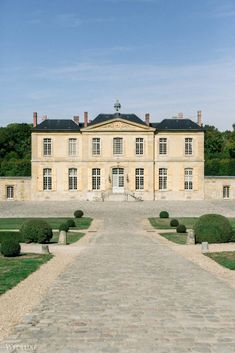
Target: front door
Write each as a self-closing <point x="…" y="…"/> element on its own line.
<point x="118" y="180"/>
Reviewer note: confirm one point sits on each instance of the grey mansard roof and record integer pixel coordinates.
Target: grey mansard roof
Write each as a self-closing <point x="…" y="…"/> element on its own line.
<point x="61" y="125"/>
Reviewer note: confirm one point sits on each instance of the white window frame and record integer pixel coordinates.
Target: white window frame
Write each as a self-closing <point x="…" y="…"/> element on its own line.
<point x="47" y="179"/>
<point x="188" y="179"/>
<point x="163" y="146"/>
<point x="73" y="179"/>
<point x="117" y="146"/>
<point x="162" y="179"/>
<point x="188" y="146"/>
<point x="139" y="146"/>
<point x="139" y="179"/>
<point x="96" y="178"/>
<point x="47" y="146"/>
<point x="226" y="191"/>
<point x="96" y="146"/>
<point x="10" y="192"/>
<point x="72" y="146"/>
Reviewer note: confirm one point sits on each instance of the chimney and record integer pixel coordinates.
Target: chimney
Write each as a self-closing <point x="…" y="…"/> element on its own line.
<point x="199" y="117"/>
<point x="76" y="119"/>
<point x="35" y="119"/>
<point x="147" y="118"/>
<point x="44" y="117"/>
<point x="180" y="115"/>
<point x="85" y="119"/>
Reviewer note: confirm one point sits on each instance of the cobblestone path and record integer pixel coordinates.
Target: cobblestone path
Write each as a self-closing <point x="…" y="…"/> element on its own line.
<point x="128" y="293"/>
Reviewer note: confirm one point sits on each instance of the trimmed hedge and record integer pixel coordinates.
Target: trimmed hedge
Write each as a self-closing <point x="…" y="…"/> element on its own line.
<point x="174" y="223"/>
<point x="164" y="214"/>
<point x="71" y="223"/>
<point x="10" y="247"/>
<point x="64" y="227"/>
<point x="78" y="214"/>
<point x="11" y="235"/>
<point x="213" y="228"/>
<point x="36" y="231"/>
<point x="181" y="228"/>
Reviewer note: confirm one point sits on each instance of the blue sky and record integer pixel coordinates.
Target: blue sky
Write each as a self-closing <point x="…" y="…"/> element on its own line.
<point x="62" y="58"/>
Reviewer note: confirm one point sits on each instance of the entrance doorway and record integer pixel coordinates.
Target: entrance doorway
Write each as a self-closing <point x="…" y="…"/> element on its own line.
<point x="118" y="180"/>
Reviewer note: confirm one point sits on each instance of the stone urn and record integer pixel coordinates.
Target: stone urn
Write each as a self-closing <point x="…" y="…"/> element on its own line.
<point x="62" y="238"/>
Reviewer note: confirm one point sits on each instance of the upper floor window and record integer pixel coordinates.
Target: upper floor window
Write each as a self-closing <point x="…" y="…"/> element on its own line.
<point x="163" y="145"/>
<point x="162" y="179"/>
<point x="139" y="146"/>
<point x="226" y="192"/>
<point x="47" y="149"/>
<point x="72" y="147"/>
<point x="73" y="181"/>
<point x="188" y="146"/>
<point x="188" y="179"/>
<point x="117" y="145"/>
<point x="96" y="179"/>
<point x="10" y="192"/>
<point x="96" y="146"/>
<point x="139" y="179"/>
<point x="47" y="179"/>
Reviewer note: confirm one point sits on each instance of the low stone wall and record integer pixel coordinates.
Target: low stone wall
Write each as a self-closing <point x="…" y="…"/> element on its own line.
<point x="21" y="187"/>
<point x="214" y="187"/>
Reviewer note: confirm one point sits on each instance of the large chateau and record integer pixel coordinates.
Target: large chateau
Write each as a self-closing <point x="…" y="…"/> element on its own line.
<point x="117" y="157"/>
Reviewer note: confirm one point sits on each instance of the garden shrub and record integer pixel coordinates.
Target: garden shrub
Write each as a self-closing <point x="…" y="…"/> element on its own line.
<point x="213" y="228"/>
<point x="174" y="223"/>
<point x="164" y="214"/>
<point x="64" y="227"/>
<point x="10" y="247"/>
<point x="71" y="223"/>
<point x="78" y="214"/>
<point x="36" y="231"/>
<point x="181" y="228"/>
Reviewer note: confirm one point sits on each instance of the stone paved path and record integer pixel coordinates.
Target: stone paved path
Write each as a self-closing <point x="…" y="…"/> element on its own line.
<point x="130" y="294"/>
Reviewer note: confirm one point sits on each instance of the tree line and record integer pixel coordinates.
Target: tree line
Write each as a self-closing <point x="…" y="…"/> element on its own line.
<point x="15" y="150"/>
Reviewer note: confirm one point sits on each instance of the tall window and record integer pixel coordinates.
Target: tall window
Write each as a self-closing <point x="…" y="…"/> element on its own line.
<point x="139" y="179"/>
<point x="139" y="146"/>
<point x="47" y="179"/>
<point x="73" y="180"/>
<point x="226" y="192"/>
<point x="96" y="146"/>
<point x="188" y="146"/>
<point x="188" y="179"/>
<point x="10" y="192"/>
<point x="47" y="147"/>
<point x="96" y="179"/>
<point x="163" y="145"/>
<point x="72" y="147"/>
<point x="162" y="179"/>
<point x="117" y="145"/>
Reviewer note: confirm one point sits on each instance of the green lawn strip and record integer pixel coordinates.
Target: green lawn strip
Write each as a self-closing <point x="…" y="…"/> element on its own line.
<point x="164" y="223"/>
<point x="178" y="238"/>
<point x="15" y="223"/>
<point x="71" y="237"/>
<point x="225" y="258"/>
<point x="14" y="270"/>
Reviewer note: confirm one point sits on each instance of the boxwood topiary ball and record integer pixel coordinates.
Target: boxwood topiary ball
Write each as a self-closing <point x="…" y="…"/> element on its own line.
<point x="64" y="227"/>
<point x="181" y="228"/>
<point x="10" y="247"/>
<point x="164" y="214"/>
<point x="174" y="223"/>
<point x="78" y="214"/>
<point x="36" y="231"/>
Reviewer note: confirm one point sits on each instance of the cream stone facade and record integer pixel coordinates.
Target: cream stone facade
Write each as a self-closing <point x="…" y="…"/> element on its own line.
<point x="117" y="157"/>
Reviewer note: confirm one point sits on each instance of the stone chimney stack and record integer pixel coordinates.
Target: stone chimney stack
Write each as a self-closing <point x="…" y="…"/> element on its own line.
<point x="147" y="118"/>
<point x="180" y="115"/>
<point x="85" y="119"/>
<point x="199" y="117"/>
<point x="35" y="119"/>
<point x="76" y="119"/>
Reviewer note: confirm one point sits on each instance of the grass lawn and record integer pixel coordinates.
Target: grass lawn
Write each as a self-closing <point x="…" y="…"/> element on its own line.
<point x="15" y="223"/>
<point x="71" y="237"/>
<point x="15" y="269"/>
<point x="225" y="258"/>
<point x="178" y="238"/>
<point x="164" y="223"/>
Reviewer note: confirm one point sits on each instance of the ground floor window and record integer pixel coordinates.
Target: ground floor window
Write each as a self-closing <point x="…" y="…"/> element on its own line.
<point x="96" y="179"/>
<point x="226" y="192"/>
<point x="139" y="179"/>
<point x="10" y="192"/>
<point x="163" y="179"/>
<point x="73" y="182"/>
<point x="188" y="179"/>
<point x="47" y="179"/>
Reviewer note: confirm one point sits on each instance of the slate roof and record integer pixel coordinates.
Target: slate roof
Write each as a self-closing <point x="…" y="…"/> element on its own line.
<point x="101" y="118"/>
<point x="177" y="124"/>
<point x="58" y="125"/>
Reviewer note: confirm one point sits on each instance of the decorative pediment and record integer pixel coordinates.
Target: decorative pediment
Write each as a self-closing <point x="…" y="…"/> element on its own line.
<point x="118" y="125"/>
